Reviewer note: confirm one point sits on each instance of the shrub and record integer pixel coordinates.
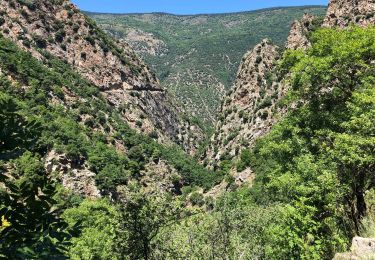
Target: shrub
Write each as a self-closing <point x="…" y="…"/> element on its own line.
<point x="154" y="135"/>
<point x="258" y="60"/>
<point x="90" y="39"/>
<point x="196" y="199"/>
<point x="139" y="123"/>
<point x="26" y="42"/>
<point x="83" y="55"/>
<point x="70" y="13"/>
<point x="75" y="28"/>
<point x="40" y="42"/>
<point x="59" y="36"/>
<point x="29" y="3"/>
<point x="245" y="160"/>
<point x="267" y="102"/>
<point x="24" y="13"/>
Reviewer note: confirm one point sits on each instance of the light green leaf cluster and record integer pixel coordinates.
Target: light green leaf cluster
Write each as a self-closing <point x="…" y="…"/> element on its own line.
<point x="99" y="222"/>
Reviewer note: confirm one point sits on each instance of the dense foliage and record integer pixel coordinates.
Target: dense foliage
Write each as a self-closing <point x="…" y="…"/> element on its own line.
<point x="99" y="222"/>
<point x="35" y="229"/>
<point x="320" y="159"/>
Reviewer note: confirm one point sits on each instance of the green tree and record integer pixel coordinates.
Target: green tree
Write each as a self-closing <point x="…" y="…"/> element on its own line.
<point x="319" y="160"/>
<point x="336" y="77"/>
<point x="35" y="229"/>
<point x="354" y="150"/>
<point x="245" y="160"/>
<point x="99" y="221"/>
<point x="143" y="215"/>
<point x="17" y="130"/>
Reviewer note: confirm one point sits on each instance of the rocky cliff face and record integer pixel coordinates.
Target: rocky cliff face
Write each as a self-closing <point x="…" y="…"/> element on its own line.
<point x="197" y="57"/>
<point x="247" y="112"/>
<point x="342" y="13"/>
<point x="73" y="175"/>
<point x="298" y="34"/>
<point x="58" y="28"/>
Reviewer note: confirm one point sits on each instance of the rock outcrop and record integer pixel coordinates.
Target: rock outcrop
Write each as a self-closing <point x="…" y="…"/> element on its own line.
<point x="74" y="176"/>
<point x="362" y="249"/>
<point x="298" y="36"/>
<point x="342" y="13"/>
<point x="59" y="29"/>
<point x="161" y="177"/>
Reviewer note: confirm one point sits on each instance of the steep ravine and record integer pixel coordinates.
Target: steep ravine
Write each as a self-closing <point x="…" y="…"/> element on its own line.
<point x="197" y="56"/>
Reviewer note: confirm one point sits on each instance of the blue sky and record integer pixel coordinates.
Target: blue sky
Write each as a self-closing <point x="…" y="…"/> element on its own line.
<point x="186" y="6"/>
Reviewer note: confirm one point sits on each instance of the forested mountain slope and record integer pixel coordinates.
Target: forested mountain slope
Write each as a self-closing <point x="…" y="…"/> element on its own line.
<point x="57" y="28"/>
<point x="196" y="57"/>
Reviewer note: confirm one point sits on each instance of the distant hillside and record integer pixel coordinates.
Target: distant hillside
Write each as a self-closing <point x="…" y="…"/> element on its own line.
<point x="196" y="57"/>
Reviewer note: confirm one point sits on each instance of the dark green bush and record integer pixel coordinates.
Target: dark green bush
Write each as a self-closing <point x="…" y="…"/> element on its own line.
<point x="196" y="199"/>
<point x="40" y="41"/>
<point x="60" y="35"/>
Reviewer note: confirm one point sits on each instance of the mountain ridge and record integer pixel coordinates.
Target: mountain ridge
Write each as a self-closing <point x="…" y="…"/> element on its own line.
<point x="112" y="66"/>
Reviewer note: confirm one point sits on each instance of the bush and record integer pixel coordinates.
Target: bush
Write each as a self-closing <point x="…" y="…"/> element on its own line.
<point x="29" y="3"/>
<point x="26" y="42"/>
<point x="245" y="160"/>
<point x="24" y="13"/>
<point x="2" y="21"/>
<point x="267" y="102"/>
<point x="90" y="39"/>
<point x="196" y="199"/>
<point x="154" y="135"/>
<point x="40" y="42"/>
<point x="75" y="28"/>
<point x="139" y="123"/>
<point x="59" y="36"/>
<point x="136" y="153"/>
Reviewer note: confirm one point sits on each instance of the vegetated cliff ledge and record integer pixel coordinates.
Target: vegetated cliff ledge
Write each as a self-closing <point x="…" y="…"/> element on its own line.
<point x="58" y="28"/>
